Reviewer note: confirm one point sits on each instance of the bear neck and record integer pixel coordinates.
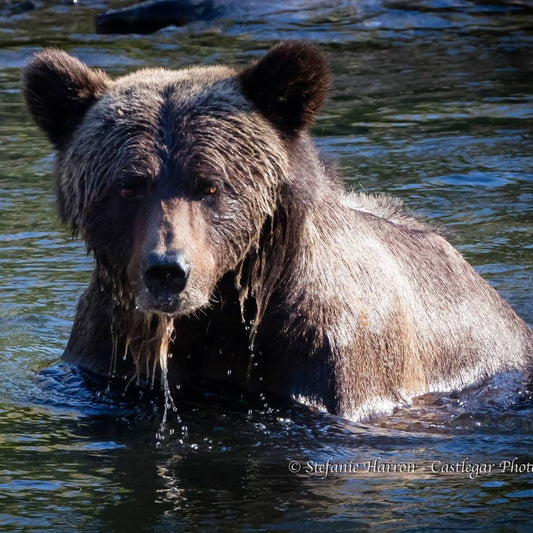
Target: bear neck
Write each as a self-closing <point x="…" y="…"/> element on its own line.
<point x="305" y="201"/>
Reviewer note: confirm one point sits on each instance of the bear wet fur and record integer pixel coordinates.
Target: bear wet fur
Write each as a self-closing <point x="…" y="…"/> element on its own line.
<point x="217" y="230"/>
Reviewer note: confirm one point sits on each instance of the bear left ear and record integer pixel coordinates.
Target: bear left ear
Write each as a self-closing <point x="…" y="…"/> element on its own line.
<point x="288" y="85"/>
<point x="59" y="89"/>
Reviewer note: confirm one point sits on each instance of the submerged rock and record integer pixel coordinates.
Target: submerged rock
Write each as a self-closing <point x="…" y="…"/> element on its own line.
<point x="150" y="16"/>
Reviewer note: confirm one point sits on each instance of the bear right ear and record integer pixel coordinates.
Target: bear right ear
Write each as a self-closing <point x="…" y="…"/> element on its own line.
<point x="288" y="85"/>
<point x="58" y="90"/>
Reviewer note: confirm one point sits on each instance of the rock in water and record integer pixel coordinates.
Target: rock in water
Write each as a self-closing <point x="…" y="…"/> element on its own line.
<point x="147" y="17"/>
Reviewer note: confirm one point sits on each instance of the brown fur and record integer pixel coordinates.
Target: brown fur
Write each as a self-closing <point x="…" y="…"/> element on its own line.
<point x="340" y="301"/>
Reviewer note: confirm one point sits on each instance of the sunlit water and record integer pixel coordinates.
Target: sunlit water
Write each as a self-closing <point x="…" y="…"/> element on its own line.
<point x="432" y="102"/>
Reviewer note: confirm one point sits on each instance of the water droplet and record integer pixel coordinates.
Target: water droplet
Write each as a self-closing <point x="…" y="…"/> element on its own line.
<point x="229" y="372"/>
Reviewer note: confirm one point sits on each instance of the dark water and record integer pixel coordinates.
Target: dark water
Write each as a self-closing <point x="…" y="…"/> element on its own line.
<point x="431" y="102"/>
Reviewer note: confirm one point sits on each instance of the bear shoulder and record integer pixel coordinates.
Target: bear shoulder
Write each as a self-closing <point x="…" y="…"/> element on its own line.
<point x="388" y="208"/>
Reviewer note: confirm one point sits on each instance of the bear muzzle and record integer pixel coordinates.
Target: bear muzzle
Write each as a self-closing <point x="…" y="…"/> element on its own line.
<point x="165" y="276"/>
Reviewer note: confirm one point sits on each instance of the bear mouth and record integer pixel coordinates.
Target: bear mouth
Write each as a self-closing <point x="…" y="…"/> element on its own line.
<point x="168" y="303"/>
<point x="168" y="306"/>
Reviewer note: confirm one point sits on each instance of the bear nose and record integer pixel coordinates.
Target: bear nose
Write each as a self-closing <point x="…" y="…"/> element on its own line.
<point x="167" y="272"/>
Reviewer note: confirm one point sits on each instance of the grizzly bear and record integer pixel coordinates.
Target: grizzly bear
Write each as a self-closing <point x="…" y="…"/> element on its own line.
<point x="221" y="238"/>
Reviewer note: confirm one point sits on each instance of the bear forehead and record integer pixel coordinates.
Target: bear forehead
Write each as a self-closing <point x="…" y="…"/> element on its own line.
<point x="164" y="105"/>
<point x="153" y="116"/>
<point x="150" y="88"/>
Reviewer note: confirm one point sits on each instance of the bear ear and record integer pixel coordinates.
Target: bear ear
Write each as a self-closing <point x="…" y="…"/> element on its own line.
<point x="288" y="85"/>
<point x="58" y="90"/>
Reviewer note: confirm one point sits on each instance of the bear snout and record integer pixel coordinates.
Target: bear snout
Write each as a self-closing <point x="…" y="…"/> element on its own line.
<point x="166" y="274"/>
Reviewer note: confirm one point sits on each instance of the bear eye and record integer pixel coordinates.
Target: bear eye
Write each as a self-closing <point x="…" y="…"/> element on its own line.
<point x="128" y="193"/>
<point x="204" y="186"/>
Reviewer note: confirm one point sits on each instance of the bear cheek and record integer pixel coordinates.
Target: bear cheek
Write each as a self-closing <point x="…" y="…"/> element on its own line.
<point x="134" y="276"/>
<point x="109" y="239"/>
<point x="135" y="268"/>
<point x="203" y="279"/>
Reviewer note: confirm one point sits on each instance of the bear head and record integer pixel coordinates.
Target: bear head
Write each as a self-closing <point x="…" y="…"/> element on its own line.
<point x="171" y="177"/>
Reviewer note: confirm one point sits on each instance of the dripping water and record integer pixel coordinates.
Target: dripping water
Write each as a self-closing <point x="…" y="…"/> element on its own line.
<point x="168" y="329"/>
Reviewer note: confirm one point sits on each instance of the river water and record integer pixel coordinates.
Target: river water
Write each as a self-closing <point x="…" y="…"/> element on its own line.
<point x="431" y="102"/>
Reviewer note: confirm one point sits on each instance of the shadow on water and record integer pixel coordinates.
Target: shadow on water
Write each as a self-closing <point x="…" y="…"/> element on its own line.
<point x="431" y="101"/>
